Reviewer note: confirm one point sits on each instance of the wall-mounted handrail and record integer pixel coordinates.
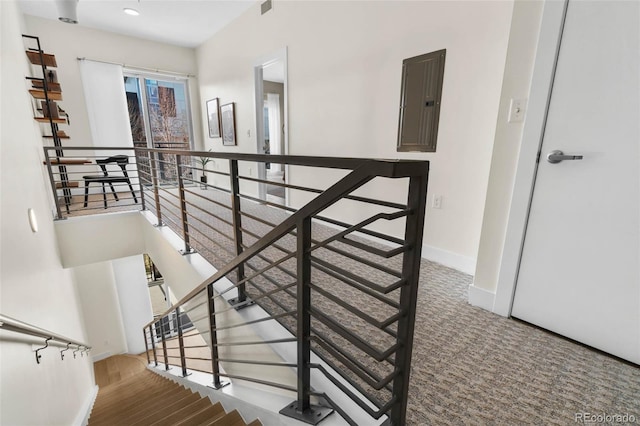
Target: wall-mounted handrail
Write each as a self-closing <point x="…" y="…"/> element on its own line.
<point x="51" y="339"/>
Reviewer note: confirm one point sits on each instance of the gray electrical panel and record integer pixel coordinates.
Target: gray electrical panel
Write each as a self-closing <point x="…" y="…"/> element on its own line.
<point x="420" y="102"/>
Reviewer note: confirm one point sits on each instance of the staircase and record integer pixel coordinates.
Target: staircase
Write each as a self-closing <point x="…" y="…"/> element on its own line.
<point x="131" y="395"/>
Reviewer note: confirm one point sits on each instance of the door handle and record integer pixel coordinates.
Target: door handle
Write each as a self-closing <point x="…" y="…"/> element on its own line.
<point x="557" y="156"/>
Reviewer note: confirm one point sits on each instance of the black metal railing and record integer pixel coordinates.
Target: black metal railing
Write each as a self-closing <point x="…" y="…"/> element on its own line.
<point x="333" y="265"/>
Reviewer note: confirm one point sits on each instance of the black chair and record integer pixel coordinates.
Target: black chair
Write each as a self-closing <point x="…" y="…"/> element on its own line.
<point x="122" y="161"/>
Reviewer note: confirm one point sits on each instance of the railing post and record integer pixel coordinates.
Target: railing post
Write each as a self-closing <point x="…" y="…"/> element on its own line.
<point x="408" y="295"/>
<point x="237" y="232"/>
<point x="183" y="360"/>
<point x="304" y="318"/>
<point x="183" y="208"/>
<point x="155" y="185"/>
<point x="53" y="183"/>
<point x="301" y="409"/>
<point x="215" y="366"/>
<point x="164" y="345"/>
<point x="143" y="205"/>
<point x="153" y="344"/>
<point x="146" y="345"/>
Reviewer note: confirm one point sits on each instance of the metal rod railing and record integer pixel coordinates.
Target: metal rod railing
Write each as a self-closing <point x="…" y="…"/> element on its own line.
<point x="262" y="246"/>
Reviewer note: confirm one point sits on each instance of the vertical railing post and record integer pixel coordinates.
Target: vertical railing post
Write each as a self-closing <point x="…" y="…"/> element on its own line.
<point x="183" y="208"/>
<point x="183" y="360"/>
<point x="302" y="409"/>
<point x="155" y="185"/>
<point x="153" y="343"/>
<point x="414" y="227"/>
<point x="146" y="345"/>
<point x="237" y="232"/>
<point x="304" y="318"/>
<point x="53" y="183"/>
<point x="215" y="366"/>
<point x="164" y="344"/>
<point x="143" y="204"/>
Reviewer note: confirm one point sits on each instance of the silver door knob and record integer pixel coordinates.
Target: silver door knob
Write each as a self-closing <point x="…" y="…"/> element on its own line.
<point x="557" y="156"/>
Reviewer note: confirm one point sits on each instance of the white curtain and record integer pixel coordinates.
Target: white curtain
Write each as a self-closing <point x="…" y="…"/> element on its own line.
<point x="275" y="128"/>
<point x="106" y="105"/>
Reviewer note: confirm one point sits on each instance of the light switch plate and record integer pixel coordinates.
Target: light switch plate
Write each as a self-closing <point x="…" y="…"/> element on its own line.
<point x="517" y="109"/>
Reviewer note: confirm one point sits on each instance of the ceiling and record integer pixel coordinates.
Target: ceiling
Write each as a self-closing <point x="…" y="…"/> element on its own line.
<point x="185" y="23"/>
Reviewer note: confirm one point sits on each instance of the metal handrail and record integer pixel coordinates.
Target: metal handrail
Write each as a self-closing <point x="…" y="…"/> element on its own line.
<point x="167" y="186"/>
<point x="12" y="324"/>
<point x="51" y="339"/>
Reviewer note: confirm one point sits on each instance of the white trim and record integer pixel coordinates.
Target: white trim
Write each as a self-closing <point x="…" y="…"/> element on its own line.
<point x="533" y="132"/>
<point x="481" y="298"/>
<point x="452" y="260"/>
<point x="82" y="419"/>
<point x="101" y="356"/>
<point x="258" y="65"/>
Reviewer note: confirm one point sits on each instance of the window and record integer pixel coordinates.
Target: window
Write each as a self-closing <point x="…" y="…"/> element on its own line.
<point x="160" y="117"/>
<point x="420" y="102"/>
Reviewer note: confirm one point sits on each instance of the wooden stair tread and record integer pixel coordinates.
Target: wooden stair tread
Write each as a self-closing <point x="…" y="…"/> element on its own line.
<point x="117" y="403"/>
<point x="131" y="395"/>
<point x="180" y="413"/>
<point x="212" y="412"/>
<point x="148" y="417"/>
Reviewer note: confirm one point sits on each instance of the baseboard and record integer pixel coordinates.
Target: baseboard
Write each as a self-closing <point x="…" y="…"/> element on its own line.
<point x="452" y="260"/>
<point x="482" y="298"/>
<point x="101" y="356"/>
<point x="82" y="419"/>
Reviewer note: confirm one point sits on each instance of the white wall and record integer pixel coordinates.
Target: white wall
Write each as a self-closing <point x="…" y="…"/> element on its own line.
<point x="99" y="238"/>
<point x="69" y="42"/>
<point x="133" y="296"/>
<point x="101" y="307"/>
<point x="34" y="286"/>
<point x="517" y="82"/>
<point x="344" y="73"/>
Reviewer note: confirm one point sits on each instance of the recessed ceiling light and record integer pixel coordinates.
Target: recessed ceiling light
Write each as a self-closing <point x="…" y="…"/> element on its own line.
<point x="130" y="11"/>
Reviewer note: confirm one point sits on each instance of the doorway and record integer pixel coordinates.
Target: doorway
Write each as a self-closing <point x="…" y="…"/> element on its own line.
<point x="579" y="273"/>
<point x="271" y="124"/>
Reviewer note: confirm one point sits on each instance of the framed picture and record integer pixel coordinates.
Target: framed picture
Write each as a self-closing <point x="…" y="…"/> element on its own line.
<point x="213" y="116"/>
<point x="228" y="115"/>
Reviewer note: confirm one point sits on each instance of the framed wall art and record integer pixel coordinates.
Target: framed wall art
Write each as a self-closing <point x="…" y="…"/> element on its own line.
<point x="228" y="117"/>
<point x="213" y="117"/>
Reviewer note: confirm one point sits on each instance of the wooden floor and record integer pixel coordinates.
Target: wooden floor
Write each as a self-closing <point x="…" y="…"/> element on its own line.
<point x="130" y="395"/>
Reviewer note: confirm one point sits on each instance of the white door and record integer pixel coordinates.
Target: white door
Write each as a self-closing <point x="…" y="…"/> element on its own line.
<point x="580" y="268"/>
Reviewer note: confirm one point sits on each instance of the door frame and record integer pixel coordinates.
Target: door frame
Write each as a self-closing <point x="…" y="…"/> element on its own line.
<point x="547" y="52"/>
<point x="259" y="65"/>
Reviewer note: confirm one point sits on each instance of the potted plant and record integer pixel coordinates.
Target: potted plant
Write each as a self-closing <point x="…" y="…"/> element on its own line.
<point x="203" y="163"/>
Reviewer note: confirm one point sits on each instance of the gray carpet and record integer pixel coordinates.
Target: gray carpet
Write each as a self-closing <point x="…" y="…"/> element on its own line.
<point x="469" y="366"/>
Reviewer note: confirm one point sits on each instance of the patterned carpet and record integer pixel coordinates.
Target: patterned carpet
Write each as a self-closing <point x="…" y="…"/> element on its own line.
<point x="471" y="366"/>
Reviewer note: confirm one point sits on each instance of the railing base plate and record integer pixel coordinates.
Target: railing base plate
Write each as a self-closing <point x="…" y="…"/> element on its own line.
<point x="236" y="303"/>
<point x="222" y="384"/>
<point x="185" y="252"/>
<point x="313" y="415"/>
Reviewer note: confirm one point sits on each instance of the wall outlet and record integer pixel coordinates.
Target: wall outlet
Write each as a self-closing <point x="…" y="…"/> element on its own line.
<point x="436" y="202"/>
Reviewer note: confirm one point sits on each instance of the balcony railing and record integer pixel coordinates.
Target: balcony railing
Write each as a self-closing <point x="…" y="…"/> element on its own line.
<point x="334" y="265"/>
